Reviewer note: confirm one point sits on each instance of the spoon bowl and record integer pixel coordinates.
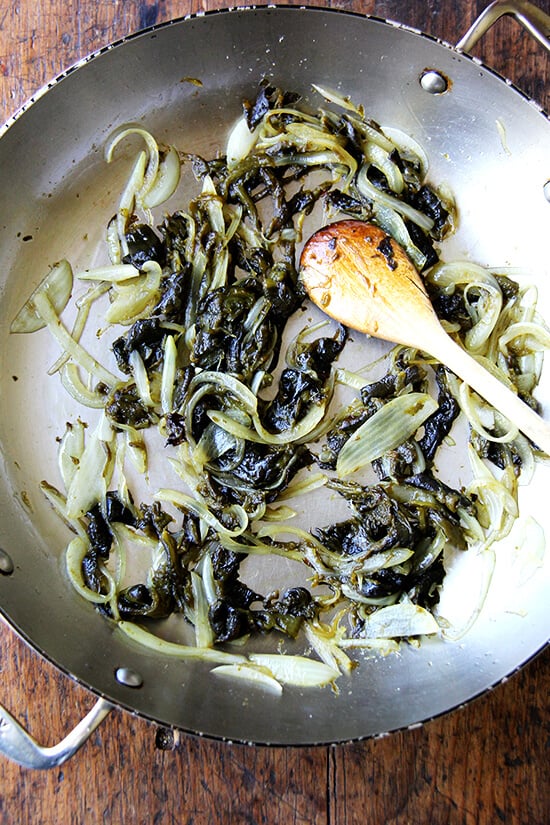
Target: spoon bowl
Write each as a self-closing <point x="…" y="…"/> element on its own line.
<point x="358" y="275"/>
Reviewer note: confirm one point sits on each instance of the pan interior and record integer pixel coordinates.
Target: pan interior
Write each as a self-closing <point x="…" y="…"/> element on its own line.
<point x="487" y="143"/>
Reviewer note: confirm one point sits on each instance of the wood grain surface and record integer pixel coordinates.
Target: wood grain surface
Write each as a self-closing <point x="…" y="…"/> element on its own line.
<point x="486" y="763"/>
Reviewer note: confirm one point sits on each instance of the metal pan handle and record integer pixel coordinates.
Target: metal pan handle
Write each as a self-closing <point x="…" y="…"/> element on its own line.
<point x="18" y="745"/>
<point x="533" y="19"/>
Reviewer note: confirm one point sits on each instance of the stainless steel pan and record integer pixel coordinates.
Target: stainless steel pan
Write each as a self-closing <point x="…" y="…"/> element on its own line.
<point x="483" y="137"/>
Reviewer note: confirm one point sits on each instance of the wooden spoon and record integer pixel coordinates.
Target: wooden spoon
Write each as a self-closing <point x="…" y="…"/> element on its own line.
<point x="359" y="275"/>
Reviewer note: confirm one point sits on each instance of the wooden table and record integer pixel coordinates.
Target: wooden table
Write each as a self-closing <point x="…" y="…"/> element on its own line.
<point x="487" y="763"/>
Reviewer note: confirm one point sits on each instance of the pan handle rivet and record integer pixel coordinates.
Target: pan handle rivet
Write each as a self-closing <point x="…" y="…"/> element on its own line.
<point x="434" y="82"/>
<point x="546" y="190"/>
<point x="6" y="563"/>
<point x="128" y="677"/>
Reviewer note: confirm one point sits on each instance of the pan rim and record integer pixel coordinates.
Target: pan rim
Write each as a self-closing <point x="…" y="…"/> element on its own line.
<point x="151" y="719"/>
<point x="240" y="10"/>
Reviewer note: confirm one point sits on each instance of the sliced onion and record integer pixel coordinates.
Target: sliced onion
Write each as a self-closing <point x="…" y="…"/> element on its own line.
<point x="391" y="222"/>
<point x="128" y="200"/>
<point x="344" y="101"/>
<point x="174" y="650"/>
<point x="382" y="647"/>
<point x="83" y="304"/>
<point x="381" y="160"/>
<point x="70" y="452"/>
<point x="280" y="513"/>
<point x="400" y="620"/>
<point x="249" y="403"/>
<point x="168" y="374"/>
<point x="141" y="378"/>
<point x="59" y="503"/>
<point x="72" y="382"/>
<point x="382" y="561"/>
<point x="476" y="410"/>
<point x="112" y="237"/>
<point x="533" y="336"/>
<point x="483" y="578"/>
<point x="88" y="485"/>
<point x="136" y="448"/>
<point x="241" y="141"/>
<point x="166" y="181"/>
<point x="133" y="299"/>
<point x="324" y="642"/>
<point x="372" y="193"/>
<point x="255" y="547"/>
<point x="115" y="273"/>
<point x="48" y="313"/>
<point x="252" y="675"/>
<point x="408" y="147"/>
<point x="205" y="569"/>
<point x="57" y="287"/>
<point x="296" y="670"/>
<point x="303" y="486"/>
<point x="204" y="637"/>
<point x="392" y="424"/>
<point x="180" y="499"/>
<point x="74" y="556"/>
<point x="152" y="166"/>
<point x="215" y="442"/>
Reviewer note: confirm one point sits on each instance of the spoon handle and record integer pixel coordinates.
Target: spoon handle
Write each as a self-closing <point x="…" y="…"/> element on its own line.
<point x="448" y="352"/>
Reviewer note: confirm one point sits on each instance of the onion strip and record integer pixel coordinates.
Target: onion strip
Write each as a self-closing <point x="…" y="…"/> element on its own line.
<point x="394" y="423"/>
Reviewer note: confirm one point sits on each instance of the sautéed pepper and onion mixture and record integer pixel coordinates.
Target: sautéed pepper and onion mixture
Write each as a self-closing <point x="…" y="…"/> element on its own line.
<point x="249" y="415"/>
